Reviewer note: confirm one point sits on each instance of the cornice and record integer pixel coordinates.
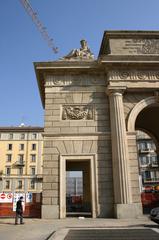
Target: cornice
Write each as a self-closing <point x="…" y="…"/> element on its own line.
<point x="22" y="129"/>
<point x="66" y="64"/>
<point x="62" y="67"/>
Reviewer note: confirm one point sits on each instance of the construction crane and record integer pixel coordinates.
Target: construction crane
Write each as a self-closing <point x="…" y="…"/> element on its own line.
<point x="39" y="24"/>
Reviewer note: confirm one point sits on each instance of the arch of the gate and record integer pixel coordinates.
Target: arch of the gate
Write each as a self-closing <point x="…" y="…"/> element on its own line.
<point x="145" y="117"/>
<point x="136" y="110"/>
<point x="139" y="112"/>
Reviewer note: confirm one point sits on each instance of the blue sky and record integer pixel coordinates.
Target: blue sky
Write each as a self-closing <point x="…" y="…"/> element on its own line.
<point x="67" y="21"/>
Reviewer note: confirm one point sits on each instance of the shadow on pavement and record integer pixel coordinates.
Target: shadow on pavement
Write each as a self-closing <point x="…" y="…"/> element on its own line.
<point x="151" y="226"/>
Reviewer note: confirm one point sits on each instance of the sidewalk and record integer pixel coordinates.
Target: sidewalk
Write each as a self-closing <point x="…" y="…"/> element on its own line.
<point x="42" y="229"/>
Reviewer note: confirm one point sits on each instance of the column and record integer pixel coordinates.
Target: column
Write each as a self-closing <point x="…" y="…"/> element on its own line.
<point x="122" y="194"/>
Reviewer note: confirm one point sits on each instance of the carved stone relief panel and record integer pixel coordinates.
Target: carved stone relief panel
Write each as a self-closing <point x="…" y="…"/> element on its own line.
<point x="135" y="46"/>
<point x="134" y="75"/>
<point x="77" y="112"/>
<point x="73" y="80"/>
<point x="147" y="46"/>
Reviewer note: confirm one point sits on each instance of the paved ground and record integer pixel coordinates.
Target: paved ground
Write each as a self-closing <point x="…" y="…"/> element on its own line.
<point x="112" y="234"/>
<point x="40" y="229"/>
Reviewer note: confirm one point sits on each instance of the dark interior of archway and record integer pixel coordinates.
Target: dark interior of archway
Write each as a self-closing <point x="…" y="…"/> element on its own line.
<point x="148" y="120"/>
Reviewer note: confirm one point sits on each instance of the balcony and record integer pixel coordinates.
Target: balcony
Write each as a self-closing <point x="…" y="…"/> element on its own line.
<point x="149" y="165"/>
<point x="151" y="180"/>
<point x="19" y="164"/>
<point x="39" y="176"/>
<point x="146" y="150"/>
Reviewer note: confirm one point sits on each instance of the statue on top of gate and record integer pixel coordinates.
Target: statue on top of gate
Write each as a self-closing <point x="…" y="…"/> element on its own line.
<point x="84" y="53"/>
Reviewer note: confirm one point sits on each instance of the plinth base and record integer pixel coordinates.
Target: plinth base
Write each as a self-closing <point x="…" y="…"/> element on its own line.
<point x="133" y="210"/>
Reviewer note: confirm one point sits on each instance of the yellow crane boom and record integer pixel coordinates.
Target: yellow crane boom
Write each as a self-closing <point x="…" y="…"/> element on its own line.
<point x="27" y="6"/>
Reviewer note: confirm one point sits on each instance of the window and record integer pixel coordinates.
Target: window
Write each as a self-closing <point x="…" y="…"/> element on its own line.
<point x="9" y="146"/>
<point x="33" y="157"/>
<point x="21" y="147"/>
<point x="144" y="160"/>
<point x="7" y="185"/>
<point x="21" y="158"/>
<point x="22" y="136"/>
<point x="153" y="146"/>
<point x="153" y="175"/>
<point x="142" y="145"/>
<point x="147" y="175"/>
<point x="32" y="170"/>
<point x="10" y="136"/>
<point x="19" y="186"/>
<point x="34" y="136"/>
<point x="32" y="184"/>
<point x="8" y="171"/>
<point x="154" y="160"/>
<point x="9" y="157"/>
<point x="20" y="171"/>
<point x="33" y="146"/>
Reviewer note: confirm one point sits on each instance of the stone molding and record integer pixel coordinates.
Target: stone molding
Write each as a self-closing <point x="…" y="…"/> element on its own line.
<point x="116" y="91"/>
<point x="68" y="137"/>
<point x="131" y="135"/>
<point x="74" y="80"/>
<point x="133" y="75"/>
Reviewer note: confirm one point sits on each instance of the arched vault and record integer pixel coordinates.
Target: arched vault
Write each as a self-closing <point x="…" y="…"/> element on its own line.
<point x="145" y="115"/>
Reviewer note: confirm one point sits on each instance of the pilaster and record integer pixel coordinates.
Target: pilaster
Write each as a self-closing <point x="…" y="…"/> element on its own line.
<point x="119" y="147"/>
<point x="123" y="206"/>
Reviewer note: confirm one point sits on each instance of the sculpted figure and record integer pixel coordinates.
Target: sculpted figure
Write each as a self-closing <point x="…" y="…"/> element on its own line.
<point x="83" y="53"/>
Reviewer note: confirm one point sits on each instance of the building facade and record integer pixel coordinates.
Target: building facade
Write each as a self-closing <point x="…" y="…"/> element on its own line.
<point x="148" y="162"/>
<point x="92" y="111"/>
<point x="21" y="159"/>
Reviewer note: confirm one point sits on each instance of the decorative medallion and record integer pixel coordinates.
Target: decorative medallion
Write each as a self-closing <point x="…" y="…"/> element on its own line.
<point x="77" y="112"/>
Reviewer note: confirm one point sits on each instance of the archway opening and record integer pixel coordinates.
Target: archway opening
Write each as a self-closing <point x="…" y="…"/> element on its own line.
<point x="147" y="124"/>
<point x="78" y="188"/>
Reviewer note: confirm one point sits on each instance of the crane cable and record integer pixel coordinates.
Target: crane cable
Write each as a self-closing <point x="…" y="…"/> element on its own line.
<point x="39" y="24"/>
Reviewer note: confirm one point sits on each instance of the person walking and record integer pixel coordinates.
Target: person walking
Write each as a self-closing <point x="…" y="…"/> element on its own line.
<point x="19" y="211"/>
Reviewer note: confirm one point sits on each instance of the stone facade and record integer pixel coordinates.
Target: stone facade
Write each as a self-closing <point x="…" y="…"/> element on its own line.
<point x="91" y="114"/>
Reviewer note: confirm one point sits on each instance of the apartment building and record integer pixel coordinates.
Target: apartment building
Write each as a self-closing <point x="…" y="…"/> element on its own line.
<point x="21" y="154"/>
<point x="148" y="161"/>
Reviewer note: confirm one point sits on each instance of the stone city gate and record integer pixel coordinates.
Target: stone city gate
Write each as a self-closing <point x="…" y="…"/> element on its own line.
<point x="92" y="110"/>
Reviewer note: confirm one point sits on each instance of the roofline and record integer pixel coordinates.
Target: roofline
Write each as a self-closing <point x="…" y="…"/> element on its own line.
<point x="126" y="34"/>
<point x="131" y="32"/>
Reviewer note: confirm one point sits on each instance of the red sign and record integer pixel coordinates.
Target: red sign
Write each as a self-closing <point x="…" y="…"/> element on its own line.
<point x="2" y="195"/>
<point x="6" y="197"/>
<point x="9" y="195"/>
